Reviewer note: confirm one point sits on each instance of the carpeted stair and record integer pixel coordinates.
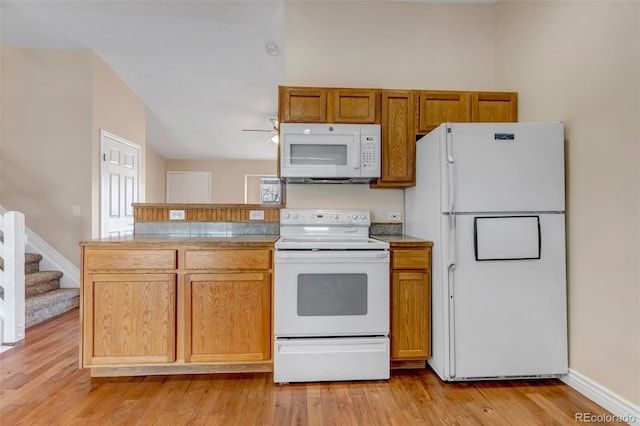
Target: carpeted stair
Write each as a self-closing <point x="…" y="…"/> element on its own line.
<point x="44" y="297"/>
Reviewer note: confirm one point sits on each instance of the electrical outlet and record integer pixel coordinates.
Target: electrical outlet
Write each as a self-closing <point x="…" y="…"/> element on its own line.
<point x="256" y="214"/>
<point x="76" y="210"/>
<point x="176" y="214"/>
<point x="394" y="216"/>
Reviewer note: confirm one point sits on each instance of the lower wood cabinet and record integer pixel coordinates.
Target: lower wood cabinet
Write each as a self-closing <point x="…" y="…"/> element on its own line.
<point x="176" y="309"/>
<point x="410" y="302"/>
<point x="228" y="317"/>
<point x="129" y="318"/>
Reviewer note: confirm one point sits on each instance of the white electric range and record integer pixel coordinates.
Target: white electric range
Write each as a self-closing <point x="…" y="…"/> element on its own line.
<point x="331" y="298"/>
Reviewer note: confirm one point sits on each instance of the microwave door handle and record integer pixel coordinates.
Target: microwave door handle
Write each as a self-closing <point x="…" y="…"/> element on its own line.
<point x="356" y="153"/>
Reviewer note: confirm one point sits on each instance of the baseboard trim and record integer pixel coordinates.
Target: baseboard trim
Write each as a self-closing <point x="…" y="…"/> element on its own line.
<point x="624" y="410"/>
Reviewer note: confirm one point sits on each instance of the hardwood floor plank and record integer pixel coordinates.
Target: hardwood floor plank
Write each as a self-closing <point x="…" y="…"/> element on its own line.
<point x="315" y="416"/>
<point x="282" y="412"/>
<point x="41" y="384"/>
<point x="268" y="405"/>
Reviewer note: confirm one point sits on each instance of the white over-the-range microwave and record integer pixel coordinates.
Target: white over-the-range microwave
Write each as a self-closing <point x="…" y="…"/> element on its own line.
<point x="329" y="153"/>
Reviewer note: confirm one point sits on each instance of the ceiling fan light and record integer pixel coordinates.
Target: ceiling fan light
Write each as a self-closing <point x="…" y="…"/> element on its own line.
<point x="275" y="139"/>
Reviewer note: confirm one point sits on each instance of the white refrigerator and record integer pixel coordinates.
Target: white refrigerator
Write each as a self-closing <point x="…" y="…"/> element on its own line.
<point x="491" y="197"/>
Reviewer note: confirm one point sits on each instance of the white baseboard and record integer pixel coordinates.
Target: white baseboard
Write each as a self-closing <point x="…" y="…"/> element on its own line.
<point x="52" y="260"/>
<point x="625" y="410"/>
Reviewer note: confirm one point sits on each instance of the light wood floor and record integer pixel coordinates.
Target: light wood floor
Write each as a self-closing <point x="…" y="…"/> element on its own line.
<point x="40" y="383"/>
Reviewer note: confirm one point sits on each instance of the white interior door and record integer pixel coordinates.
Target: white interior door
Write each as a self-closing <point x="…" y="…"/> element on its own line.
<point x="119" y="164"/>
<point x="189" y="187"/>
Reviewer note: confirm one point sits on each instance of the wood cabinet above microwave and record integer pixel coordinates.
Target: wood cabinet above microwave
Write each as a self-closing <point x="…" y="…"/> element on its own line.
<point x="328" y="105"/>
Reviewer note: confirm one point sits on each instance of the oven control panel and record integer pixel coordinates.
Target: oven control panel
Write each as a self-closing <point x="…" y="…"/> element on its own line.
<point x="324" y="217"/>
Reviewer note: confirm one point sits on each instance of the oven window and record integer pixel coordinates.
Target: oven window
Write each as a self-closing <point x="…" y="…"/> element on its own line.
<point x="319" y="154"/>
<point x="332" y="294"/>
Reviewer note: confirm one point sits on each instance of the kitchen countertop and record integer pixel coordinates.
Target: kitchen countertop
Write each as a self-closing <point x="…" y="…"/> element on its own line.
<point x="180" y="240"/>
<point x="222" y="240"/>
<point x="404" y="240"/>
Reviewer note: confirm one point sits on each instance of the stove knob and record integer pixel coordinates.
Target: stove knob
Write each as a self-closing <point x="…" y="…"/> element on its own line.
<point x="335" y="216"/>
<point x="287" y="215"/>
<point x="363" y="216"/>
<point x="296" y="215"/>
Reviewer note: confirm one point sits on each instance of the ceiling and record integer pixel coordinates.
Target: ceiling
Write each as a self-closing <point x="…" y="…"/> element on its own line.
<point x="201" y="67"/>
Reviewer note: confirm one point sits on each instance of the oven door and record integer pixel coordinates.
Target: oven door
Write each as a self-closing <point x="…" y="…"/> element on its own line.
<point x="331" y="293"/>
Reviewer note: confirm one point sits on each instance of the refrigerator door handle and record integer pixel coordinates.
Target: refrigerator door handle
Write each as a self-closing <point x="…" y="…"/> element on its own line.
<point x="450" y="284"/>
<point x="452" y="238"/>
<point x="452" y="328"/>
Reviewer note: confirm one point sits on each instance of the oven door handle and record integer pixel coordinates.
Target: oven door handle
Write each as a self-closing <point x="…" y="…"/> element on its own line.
<point x="337" y="254"/>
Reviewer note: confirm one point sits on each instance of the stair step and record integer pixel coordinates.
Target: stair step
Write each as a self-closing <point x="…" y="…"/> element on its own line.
<point x="50" y="304"/>
<point x="31" y="262"/>
<point x="41" y="282"/>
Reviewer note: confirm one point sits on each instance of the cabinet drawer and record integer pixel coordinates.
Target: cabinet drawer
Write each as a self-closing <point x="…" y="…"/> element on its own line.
<point x="228" y="259"/>
<point x="98" y="259"/>
<point x="411" y="258"/>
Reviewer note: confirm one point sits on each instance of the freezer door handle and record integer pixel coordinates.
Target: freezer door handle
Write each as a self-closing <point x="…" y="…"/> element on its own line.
<point x="449" y="147"/>
<point x="451" y="175"/>
<point x="452" y="328"/>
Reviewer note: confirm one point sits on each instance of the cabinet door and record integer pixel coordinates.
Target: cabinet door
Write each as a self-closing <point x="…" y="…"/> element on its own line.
<point x="437" y="107"/>
<point x="129" y="319"/>
<point x="410" y="315"/>
<point x="398" y="139"/>
<point x="302" y="105"/>
<point x="228" y="317"/>
<point x="494" y="107"/>
<point x="353" y="106"/>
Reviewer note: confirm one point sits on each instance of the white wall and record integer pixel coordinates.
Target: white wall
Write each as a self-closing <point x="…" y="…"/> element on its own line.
<point x="584" y="69"/>
<point x="46" y="143"/>
<point x="394" y="45"/>
<point x="155" y="177"/>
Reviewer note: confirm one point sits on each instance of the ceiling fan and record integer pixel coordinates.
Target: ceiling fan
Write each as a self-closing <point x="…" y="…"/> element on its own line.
<point x="274" y="131"/>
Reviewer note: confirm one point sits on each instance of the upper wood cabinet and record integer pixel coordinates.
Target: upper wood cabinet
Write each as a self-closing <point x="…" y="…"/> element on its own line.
<point x="353" y="106"/>
<point x="437" y="107"/>
<point x="402" y="114"/>
<point x="398" y="139"/>
<point x="327" y="105"/>
<point x="494" y="107"/>
<point x="302" y="105"/>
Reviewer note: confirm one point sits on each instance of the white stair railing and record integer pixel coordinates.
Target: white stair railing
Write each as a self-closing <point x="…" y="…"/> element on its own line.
<point x="12" y="308"/>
